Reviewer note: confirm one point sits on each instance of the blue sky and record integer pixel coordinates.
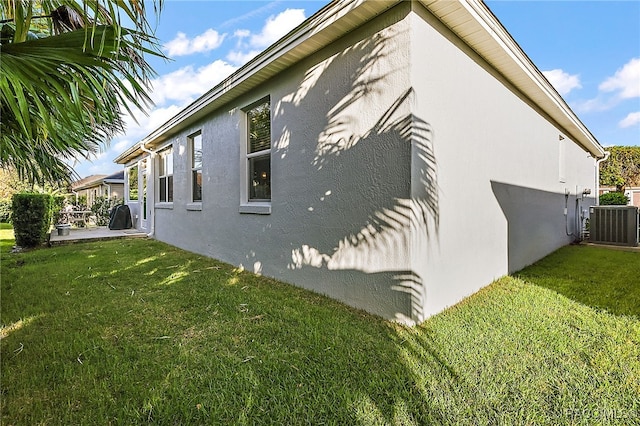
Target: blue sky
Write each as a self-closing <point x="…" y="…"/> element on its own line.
<point x="589" y="50"/>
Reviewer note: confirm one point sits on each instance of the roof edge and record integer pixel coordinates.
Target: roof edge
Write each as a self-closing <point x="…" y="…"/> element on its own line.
<point x="309" y="28"/>
<point x="536" y="87"/>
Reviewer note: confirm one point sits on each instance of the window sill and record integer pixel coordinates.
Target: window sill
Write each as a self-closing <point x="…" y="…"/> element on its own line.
<point x="196" y="207"/>
<point x="164" y="205"/>
<point x="255" y="208"/>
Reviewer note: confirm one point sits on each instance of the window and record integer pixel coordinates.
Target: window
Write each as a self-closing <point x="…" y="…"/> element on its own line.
<point x="195" y="142"/>
<point x="259" y="152"/>
<point x="133" y="183"/>
<point x="165" y="176"/>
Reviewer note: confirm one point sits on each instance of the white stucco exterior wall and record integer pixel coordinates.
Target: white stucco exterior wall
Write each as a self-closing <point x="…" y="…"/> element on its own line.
<point x="406" y="174"/>
<point x="340" y="175"/>
<point x="500" y="195"/>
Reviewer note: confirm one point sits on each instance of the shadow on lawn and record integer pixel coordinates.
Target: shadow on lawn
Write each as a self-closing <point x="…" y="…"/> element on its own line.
<point x="220" y="346"/>
<point x="597" y="277"/>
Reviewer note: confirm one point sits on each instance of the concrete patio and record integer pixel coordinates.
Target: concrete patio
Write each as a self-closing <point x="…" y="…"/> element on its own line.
<point x="93" y="233"/>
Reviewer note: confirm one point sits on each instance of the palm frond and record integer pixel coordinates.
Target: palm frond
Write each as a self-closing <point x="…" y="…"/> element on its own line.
<point x="62" y="97"/>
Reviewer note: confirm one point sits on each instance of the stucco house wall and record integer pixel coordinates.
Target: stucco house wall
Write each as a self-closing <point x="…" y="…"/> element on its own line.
<point x="116" y="190"/>
<point x="406" y="172"/>
<point x="500" y="196"/>
<point x="329" y="180"/>
<point x="110" y="190"/>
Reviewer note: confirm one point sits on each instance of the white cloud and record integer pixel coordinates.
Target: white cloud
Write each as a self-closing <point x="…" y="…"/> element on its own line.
<point x="148" y="123"/>
<point x="239" y="58"/>
<point x="276" y="26"/>
<point x="624" y="84"/>
<point x="121" y="145"/>
<point x="626" y="81"/>
<point x="187" y="83"/>
<point x="100" y="155"/>
<point x="631" y="119"/>
<point x="242" y="34"/>
<point x="253" y="13"/>
<point x="171" y="93"/>
<point x="181" y="45"/>
<point x="563" y="81"/>
<point x="599" y="103"/>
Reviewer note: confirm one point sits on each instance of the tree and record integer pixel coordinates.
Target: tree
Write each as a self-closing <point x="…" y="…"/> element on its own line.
<point x="69" y="70"/>
<point x="10" y="183"/>
<point x="622" y="169"/>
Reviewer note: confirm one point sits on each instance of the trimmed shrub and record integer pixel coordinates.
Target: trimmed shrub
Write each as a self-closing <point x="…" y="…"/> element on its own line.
<point x="5" y="210"/>
<point x="102" y="206"/>
<point x="614" y="199"/>
<point x="31" y="218"/>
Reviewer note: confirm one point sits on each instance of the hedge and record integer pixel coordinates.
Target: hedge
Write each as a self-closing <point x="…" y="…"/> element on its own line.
<point x="31" y="218"/>
<point x="614" y="199"/>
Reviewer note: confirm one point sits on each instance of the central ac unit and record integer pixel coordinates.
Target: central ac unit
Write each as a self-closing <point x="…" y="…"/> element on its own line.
<point x="614" y="225"/>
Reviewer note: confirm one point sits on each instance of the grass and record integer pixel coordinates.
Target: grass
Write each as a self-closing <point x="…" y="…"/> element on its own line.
<point x="136" y="331"/>
<point x="597" y="277"/>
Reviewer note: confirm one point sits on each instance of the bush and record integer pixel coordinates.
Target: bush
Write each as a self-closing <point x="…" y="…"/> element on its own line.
<point x="5" y="210"/>
<point x="58" y="203"/>
<point x="31" y="218"/>
<point x="81" y="203"/>
<point x="614" y="199"/>
<point x="101" y="208"/>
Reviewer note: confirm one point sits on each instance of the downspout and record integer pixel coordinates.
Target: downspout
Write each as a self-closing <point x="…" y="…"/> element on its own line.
<point x="152" y="156"/>
<point x="603" y="159"/>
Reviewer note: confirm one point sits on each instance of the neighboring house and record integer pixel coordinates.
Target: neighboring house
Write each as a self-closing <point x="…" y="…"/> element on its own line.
<point x="395" y="155"/>
<point x="633" y="192"/>
<point x="94" y="186"/>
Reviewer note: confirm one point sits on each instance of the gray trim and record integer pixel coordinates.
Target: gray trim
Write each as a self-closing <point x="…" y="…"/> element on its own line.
<point x="255" y="208"/>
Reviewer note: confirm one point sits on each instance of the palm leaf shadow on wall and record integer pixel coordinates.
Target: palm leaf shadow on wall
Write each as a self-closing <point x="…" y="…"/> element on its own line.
<point x="383" y="194"/>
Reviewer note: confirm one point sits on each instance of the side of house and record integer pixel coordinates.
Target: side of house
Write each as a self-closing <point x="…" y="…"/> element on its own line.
<point x="95" y="186"/>
<point x="374" y="156"/>
<point x="506" y="170"/>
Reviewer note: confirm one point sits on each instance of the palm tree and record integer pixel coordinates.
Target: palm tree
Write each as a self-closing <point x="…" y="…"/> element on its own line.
<point x="69" y="70"/>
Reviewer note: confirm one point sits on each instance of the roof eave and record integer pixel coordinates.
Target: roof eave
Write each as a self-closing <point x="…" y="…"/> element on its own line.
<point x="340" y="17"/>
<point x="302" y="41"/>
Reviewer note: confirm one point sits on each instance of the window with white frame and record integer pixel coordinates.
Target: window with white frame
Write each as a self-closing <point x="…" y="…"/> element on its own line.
<point x="165" y="176"/>
<point x="195" y="148"/>
<point x="259" y="151"/>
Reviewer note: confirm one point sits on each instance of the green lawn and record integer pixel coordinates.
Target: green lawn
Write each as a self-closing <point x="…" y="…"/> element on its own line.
<point x="136" y="331"/>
